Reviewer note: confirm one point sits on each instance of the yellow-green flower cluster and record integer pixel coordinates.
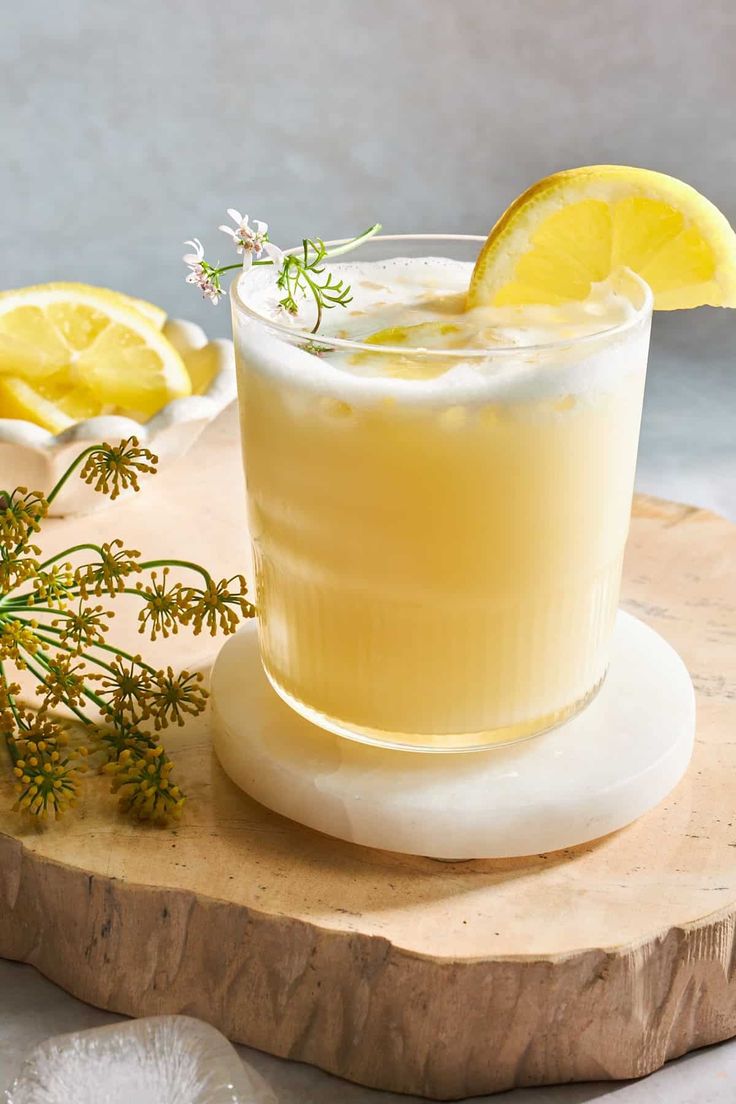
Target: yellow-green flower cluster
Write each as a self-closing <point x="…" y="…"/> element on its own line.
<point x="112" y="469"/>
<point x="218" y="605"/>
<point x="141" y="779"/>
<point x="46" y="771"/>
<point x="21" y="514"/>
<point x="51" y="626"/>
<point x="109" y="572"/>
<point x="17" y="641"/>
<point x="48" y="781"/>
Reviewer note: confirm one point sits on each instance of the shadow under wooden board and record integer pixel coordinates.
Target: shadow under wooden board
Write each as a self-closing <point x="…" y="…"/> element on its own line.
<point x="440" y="979"/>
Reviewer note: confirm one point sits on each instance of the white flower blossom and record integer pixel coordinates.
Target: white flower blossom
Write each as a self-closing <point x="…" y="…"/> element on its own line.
<point x="194" y="259"/>
<point x="251" y="241"/>
<point x="199" y="274"/>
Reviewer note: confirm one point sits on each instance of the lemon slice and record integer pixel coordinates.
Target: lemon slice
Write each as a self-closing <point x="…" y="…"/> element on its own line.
<point x="19" y="399"/>
<point x="68" y="351"/>
<point x="419" y="338"/>
<point x="421" y="335"/>
<point x="575" y="228"/>
<point x="155" y="315"/>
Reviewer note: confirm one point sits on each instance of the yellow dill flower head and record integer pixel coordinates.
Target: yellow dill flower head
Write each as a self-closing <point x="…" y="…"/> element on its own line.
<point x="125" y="688"/>
<point x="218" y="606"/>
<point x="16" y="565"/>
<point x="111" y="469"/>
<point x="141" y="780"/>
<point x="53" y="584"/>
<point x="84" y="626"/>
<point x="108" y="574"/>
<point x="21" y="514"/>
<point x="8" y="709"/>
<point x="65" y="682"/>
<point x="164" y="606"/>
<point x="47" y="776"/>
<point x="49" y="787"/>
<point x="174" y="696"/>
<point x="15" y="640"/>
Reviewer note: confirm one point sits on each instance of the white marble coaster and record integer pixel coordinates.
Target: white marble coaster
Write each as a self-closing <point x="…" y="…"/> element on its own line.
<point x="598" y="772"/>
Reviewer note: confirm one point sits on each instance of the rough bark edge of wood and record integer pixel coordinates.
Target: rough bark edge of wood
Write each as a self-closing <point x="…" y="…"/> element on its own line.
<point x="359" y="1007"/>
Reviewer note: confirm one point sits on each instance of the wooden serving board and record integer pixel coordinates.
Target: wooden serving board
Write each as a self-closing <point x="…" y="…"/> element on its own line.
<point x="440" y="979"/>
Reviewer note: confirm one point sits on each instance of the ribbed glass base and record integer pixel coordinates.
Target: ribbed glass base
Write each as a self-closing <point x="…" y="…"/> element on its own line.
<point x="437" y="742"/>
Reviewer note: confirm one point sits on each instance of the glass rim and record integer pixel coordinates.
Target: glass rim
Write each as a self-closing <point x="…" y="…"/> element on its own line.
<point x="294" y="334"/>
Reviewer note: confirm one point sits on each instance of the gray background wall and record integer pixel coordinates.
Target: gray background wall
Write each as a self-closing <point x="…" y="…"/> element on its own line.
<point x="130" y="126"/>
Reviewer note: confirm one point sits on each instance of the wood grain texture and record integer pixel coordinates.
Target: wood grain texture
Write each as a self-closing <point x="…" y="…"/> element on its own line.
<point x="440" y="979"/>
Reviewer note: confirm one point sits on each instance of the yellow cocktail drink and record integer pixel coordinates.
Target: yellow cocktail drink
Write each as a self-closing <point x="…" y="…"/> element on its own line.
<point x="439" y="499"/>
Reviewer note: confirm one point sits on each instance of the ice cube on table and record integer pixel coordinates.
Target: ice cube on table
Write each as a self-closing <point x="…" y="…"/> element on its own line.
<point x="157" y="1060"/>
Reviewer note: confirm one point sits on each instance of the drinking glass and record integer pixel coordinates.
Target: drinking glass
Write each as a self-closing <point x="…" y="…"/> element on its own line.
<point x="438" y="545"/>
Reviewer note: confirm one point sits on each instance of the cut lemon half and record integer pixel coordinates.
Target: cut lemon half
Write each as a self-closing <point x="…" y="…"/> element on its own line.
<point x="575" y="228"/>
<point x="69" y="351"/>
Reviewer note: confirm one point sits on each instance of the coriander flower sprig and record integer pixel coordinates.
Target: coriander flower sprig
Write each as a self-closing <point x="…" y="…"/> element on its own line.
<point x="299" y="273"/>
<point x="251" y="241"/>
<point x="202" y="274"/>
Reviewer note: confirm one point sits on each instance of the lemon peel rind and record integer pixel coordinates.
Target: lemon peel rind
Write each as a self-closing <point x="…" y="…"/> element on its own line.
<point x="63" y="288"/>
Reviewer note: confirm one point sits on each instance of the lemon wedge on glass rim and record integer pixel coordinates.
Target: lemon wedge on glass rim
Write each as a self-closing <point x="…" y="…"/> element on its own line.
<point x="575" y="228"/>
<point x="70" y="351"/>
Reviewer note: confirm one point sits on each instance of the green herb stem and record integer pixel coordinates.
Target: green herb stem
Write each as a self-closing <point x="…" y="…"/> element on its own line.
<point x="43" y="628"/>
<point x="68" y="473"/>
<point x="44" y="659"/>
<point x="147" y="565"/>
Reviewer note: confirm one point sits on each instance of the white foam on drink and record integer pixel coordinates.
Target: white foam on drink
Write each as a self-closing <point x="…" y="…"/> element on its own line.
<point x="507" y="358"/>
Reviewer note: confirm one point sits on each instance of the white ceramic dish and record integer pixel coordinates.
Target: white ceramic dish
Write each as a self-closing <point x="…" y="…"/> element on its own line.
<point x="32" y="457"/>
